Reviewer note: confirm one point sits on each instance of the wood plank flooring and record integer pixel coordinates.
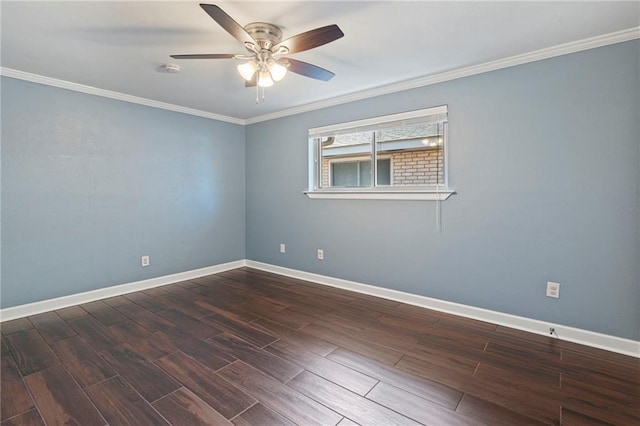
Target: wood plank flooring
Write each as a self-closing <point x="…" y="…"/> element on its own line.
<point x="246" y="347"/>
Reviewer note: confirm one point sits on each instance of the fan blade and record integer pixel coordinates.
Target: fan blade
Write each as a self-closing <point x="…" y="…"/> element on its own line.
<point x="308" y="70"/>
<point x="227" y="22"/>
<point x="205" y="56"/>
<point x="310" y="39"/>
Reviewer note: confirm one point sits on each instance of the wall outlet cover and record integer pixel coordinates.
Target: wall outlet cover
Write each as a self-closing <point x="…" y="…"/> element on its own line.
<point x="553" y="289"/>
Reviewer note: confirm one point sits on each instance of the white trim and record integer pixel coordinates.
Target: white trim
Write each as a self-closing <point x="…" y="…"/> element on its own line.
<point x="358" y="125"/>
<point x="536" y="55"/>
<point x="431" y="195"/>
<point x="571" y="334"/>
<point x="584" y="337"/>
<point x="34" y="308"/>
<point x="35" y="78"/>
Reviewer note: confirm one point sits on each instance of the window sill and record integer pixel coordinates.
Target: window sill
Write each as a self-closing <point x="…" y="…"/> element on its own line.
<point x="424" y="195"/>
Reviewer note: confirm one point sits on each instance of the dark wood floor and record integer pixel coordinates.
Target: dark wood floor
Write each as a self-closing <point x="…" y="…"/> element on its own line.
<point x="246" y="347"/>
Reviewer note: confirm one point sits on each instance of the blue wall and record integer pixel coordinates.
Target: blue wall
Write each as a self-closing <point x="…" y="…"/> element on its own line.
<point x="545" y="158"/>
<point x="90" y="184"/>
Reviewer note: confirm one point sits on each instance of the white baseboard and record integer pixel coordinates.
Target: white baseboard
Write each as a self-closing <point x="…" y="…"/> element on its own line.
<point x="584" y="337"/>
<point x="34" y="308"/>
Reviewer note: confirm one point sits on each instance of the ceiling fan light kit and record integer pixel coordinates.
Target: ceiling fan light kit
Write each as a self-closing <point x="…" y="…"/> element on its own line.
<point x="263" y="41"/>
<point x="264" y="79"/>
<point x="276" y="70"/>
<point x="248" y="69"/>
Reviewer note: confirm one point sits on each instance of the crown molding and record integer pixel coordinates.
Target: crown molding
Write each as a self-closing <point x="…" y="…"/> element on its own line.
<point x="536" y="55"/>
<point x="35" y="78"/>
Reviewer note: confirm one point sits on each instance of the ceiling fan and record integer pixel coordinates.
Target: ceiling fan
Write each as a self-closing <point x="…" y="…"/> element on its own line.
<point x="266" y="62"/>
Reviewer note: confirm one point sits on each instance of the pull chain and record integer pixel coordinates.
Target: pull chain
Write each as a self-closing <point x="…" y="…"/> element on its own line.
<point x="258" y="94"/>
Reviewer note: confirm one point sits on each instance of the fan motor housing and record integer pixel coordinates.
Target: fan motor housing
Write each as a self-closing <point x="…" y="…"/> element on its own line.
<point x="265" y="34"/>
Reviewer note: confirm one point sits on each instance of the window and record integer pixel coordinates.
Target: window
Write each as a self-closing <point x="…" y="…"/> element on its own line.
<point x="358" y="173"/>
<point x="400" y="156"/>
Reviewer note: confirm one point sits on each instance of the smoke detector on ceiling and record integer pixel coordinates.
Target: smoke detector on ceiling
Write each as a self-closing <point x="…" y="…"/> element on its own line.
<point x="170" y="68"/>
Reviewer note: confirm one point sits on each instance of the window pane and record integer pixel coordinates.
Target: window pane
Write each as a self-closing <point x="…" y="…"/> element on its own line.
<point x="384" y="172"/>
<point x="352" y="147"/>
<point x="415" y="153"/>
<point x="344" y="174"/>
<point x="365" y="173"/>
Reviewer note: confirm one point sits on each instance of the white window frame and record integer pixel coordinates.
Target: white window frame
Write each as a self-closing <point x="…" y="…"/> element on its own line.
<point x="359" y="158"/>
<point x="438" y="192"/>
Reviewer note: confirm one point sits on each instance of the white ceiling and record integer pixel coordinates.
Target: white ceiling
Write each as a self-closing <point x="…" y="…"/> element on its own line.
<point x="118" y="46"/>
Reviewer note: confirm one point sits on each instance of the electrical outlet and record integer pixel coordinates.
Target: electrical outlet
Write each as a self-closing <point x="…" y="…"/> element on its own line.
<point x="320" y="254"/>
<point x="282" y="248"/>
<point x="553" y="289"/>
<point x="144" y="261"/>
